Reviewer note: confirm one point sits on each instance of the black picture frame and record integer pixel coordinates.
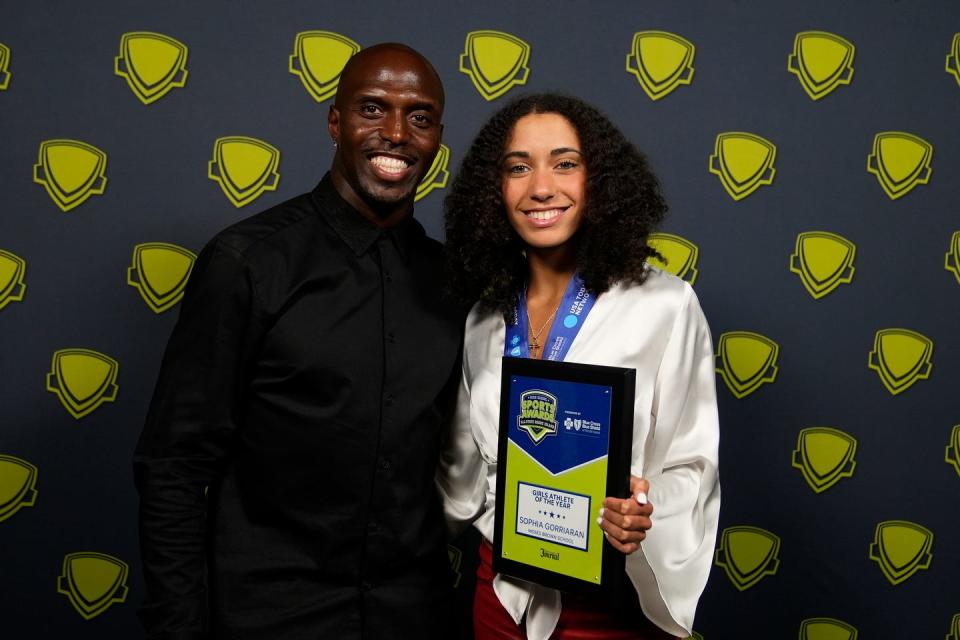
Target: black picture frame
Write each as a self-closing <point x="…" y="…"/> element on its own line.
<point x="622" y="384"/>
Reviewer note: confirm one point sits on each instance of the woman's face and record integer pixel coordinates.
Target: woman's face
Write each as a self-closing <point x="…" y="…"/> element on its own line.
<point x="544" y="180"/>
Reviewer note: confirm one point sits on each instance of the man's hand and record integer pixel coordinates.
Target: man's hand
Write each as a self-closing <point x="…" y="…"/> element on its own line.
<point x="625" y="521"/>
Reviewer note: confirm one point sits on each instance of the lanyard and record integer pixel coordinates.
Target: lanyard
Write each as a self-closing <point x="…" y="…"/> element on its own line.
<point x="573" y="310"/>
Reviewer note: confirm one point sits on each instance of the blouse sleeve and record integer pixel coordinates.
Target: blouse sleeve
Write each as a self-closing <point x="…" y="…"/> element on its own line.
<point x="671" y="569"/>
<point x="461" y="476"/>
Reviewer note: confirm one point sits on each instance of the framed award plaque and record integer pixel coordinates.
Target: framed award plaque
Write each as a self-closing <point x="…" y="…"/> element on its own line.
<point x="565" y="440"/>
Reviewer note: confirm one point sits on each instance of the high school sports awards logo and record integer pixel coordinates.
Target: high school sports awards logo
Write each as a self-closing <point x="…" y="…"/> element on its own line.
<point x="318" y="59"/>
<point x="13" y="269"/>
<point x="18" y="485"/>
<point x="743" y="162"/>
<point x="680" y="254"/>
<point x="495" y="62"/>
<point x="538" y="414"/>
<point x="4" y="66"/>
<point x="71" y="171"/>
<point x="244" y="168"/>
<point x="93" y="582"/>
<point x="825" y="456"/>
<point x="152" y="63"/>
<point x="823" y="260"/>
<point x="661" y="62"/>
<point x="901" y="358"/>
<point x="83" y="380"/>
<point x="901" y="549"/>
<point x="826" y="629"/>
<point x="159" y="271"/>
<point x="901" y="161"/>
<point x="747" y="555"/>
<point x="821" y="61"/>
<point x="436" y="177"/>
<point x="746" y="361"/>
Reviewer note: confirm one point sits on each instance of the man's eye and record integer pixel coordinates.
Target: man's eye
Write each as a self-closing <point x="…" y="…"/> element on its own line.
<point x="369" y="109"/>
<point x="421" y="120"/>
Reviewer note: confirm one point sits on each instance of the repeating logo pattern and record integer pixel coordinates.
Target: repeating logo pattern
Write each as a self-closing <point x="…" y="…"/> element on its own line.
<point x="821" y="61"/>
<point x="952" y="261"/>
<point x="93" y="582"/>
<point x="244" y="168"/>
<point x="71" y="171"/>
<point x="826" y="629"/>
<point x="12" y="271"/>
<point x="825" y="456"/>
<point x="4" y="66"/>
<point x="901" y="549"/>
<point x="160" y="272"/>
<point x="152" y="64"/>
<point x="661" y="61"/>
<point x="953" y="449"/>
<point x="83" y="380"/>
<point x="18" y="485"/>
<point x="495" y="61"/>
<point x="681" y="255"/>
<point x="823" y="260"/>
<point x="747" y="555"/>
<point x="953" y="58"/>
<point x="436" y="177"/>
<point x="318" y="59"/>
<point x="743" y="162"/>
<point x="746" y="360"/>
<point x="901" y="357"/>
<point x="954" y="633"/>
<point x="901" y="161"/>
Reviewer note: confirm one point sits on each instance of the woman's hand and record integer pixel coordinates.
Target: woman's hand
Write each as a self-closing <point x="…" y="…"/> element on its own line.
<point x="625" y="521"/>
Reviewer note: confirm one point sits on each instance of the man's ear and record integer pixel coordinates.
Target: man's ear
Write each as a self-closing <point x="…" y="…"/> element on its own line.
<point x="333" y="123"/>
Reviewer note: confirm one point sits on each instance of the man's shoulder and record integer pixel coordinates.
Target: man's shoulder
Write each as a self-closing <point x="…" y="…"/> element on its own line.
<point x="269" y="228"/>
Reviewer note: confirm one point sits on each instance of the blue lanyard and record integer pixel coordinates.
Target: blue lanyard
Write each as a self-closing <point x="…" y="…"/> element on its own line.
<point x="571" y="313"/>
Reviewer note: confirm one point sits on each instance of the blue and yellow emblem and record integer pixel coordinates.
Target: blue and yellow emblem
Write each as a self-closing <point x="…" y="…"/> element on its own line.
<point x="495" y="61"/>
<point x="93" y="582"/>
<point x="13" y="269"/>
<point x="746" y="361"/>
<point x="661" y="62"/>
<point x="152" y="64"/>
<point x="680" y="254"/>
<point x="71" y="171"/>
<point x="901" y="549"/>
<point x="901" y="161"/>
<point x="822" y="62"/>
<point x="538" y="414"/>
<point x="160" y="271"/>
<point x="743" y="162"/>
<point x="244" y="168"/>
<point x="18" y="485"/>
<point x="901" y="358"/>
<point x="318" y="59"/>
<point x="823" y="260"/>
<point x="747" y="555"/>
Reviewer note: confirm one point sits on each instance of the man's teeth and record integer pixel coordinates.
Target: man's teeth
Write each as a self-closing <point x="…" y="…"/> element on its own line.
<point x="393" y="165"/>
<point x="544" y="215"/>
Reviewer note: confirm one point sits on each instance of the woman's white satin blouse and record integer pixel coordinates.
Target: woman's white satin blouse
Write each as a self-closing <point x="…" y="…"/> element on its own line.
<point x="658" y="329"/>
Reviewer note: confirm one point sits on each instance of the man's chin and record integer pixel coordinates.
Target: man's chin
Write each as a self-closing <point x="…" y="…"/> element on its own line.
<point x="385" y="199"/>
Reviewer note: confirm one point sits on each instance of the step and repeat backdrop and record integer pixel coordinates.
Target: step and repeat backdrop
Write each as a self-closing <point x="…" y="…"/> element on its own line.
<point x="811" y="156"/>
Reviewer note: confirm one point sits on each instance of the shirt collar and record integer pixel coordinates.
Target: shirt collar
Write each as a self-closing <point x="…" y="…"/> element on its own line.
<point x="357" y="232"/>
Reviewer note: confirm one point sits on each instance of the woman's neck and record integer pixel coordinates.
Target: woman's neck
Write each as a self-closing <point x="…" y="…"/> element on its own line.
<point x="550" y="271"/>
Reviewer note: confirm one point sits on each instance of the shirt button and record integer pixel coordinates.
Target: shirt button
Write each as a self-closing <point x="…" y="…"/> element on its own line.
<point x="388" y="277"/>
<point x="384" y="464"/>
<point x="388" y="400"/>
<point x="391" y="338"/>
<point x="372" y="527"/>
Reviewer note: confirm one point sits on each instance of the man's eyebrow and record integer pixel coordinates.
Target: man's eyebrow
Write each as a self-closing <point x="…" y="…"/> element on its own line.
<point x="379" y="97"/>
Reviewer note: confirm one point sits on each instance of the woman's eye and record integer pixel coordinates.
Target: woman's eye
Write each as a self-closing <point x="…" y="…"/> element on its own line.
<point x="567" y="164"/>
<point x="517" y="168"/>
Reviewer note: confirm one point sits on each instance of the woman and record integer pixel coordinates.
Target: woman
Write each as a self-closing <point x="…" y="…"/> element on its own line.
<point x="553" y="202"/>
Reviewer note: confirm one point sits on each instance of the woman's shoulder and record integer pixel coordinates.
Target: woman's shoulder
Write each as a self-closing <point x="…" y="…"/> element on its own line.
<point x="659" y="287"/>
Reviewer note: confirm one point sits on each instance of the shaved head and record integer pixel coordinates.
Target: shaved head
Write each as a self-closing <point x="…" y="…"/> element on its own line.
<point x="358" y="67"/>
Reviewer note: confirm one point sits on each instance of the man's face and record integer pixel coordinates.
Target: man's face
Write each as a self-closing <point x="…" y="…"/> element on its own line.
<point x="386" y="123"/>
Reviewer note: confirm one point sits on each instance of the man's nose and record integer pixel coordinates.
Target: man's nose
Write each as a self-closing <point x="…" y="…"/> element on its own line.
<point x="394" y="128"/>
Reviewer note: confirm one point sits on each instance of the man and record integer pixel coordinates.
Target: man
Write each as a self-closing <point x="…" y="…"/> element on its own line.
<point x="305" y="385"/>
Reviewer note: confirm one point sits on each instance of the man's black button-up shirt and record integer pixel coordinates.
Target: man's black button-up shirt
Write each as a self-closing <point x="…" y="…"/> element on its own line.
<point x="306" y="384"/>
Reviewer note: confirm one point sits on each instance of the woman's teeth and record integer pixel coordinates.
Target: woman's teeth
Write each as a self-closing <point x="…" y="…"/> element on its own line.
<point x="544" y="215"/>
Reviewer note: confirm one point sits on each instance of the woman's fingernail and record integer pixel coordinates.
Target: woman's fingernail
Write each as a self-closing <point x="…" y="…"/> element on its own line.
<point x="641" y="497"/>
<point x="601" y="512"/>
<point x="599" y="520"/>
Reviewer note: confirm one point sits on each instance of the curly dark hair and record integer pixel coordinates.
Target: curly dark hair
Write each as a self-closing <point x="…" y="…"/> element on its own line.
<point x="624" y="205"/>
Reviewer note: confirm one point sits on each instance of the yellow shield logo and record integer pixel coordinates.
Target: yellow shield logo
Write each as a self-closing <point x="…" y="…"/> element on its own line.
<point x="680" y="253"/>
<point x="4" y="64"/>
<point x="436" y="177"/>
<point x="93" y="582"/>
<point x="900" y="161"/>
<point x="152" y="64"/>
<point x="661" y="61"/>
<point x="823" y="260"/>
<point x="824" y="456"/>
<point x="954" y="628"/>
<point x="71" y="171"/>
<point x="821" y="61"/>
<point x="901" y="357"/>
<point x="495" y="61"/>
<point x="318" y="58"/>
<point x="953" y="58"/>
<point x="901" y="549"/>
<point x="826" y="629"/>
<point x="746" y="361"/>
<point x="951" y="264"/>
<point x="83" y="380"/>
<point x="455" y="556"/>
<point x="244" y="168"/>
<point x="747" y="554"/>
<point x="953" y="450"/>
<point x="160" y="272"/>
<point x="12" y="270"/>
<point x="18" y="485"/>
<point x="743" y="162"/>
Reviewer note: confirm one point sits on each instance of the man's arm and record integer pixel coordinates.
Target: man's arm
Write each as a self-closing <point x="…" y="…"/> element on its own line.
<point x="192" y="419"/>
